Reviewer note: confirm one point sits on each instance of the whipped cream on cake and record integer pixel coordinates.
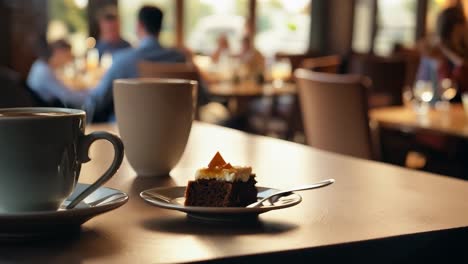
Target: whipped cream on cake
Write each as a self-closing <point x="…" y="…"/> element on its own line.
<point x="232" y="174"/>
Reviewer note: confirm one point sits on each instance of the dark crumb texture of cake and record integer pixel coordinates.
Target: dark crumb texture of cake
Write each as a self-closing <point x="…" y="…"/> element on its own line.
<point x="214" y="193"/>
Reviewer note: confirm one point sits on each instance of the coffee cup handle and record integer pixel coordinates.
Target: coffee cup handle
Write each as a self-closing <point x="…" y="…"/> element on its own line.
<point x="84" y="145"/>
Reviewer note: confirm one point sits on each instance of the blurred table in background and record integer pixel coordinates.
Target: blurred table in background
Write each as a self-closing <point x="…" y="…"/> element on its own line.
<point x="454" y="121"/>
<point x="250" y="89"/>
<point x="84" y="81"/>
<point x="260" y="104"/>
<point x="260" y="100"/>
<point x="85" y="73"/>
<point x="438" y="140"/>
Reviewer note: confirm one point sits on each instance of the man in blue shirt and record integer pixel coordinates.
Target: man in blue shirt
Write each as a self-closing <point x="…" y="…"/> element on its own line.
<point x="43" y="81"/>
<point x="125" y="62"/>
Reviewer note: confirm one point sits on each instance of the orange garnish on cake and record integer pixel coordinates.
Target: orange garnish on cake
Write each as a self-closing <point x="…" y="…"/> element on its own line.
<point x="216" y="161"/>
<point x="221" y="184"/>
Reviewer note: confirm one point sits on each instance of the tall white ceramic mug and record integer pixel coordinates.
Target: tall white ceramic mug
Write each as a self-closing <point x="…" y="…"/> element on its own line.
<point x="154" y="117"/>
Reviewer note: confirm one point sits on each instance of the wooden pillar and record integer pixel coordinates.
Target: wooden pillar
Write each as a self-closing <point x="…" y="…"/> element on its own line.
<point x="332" y="26"/>
<point x="21" y="24"/>
<point x="251" y="21"/>
<point x="179" y="23"/>
<point x="421" y="15"/>
<point x="318" y="23"/>
<point x="5" y="32"/>
<point x="375" y="13"/>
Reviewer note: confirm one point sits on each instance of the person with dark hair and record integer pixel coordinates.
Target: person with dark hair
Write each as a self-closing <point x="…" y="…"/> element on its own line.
<point x="447" y="57"/>
<point x="110" y="39"/>
<point x="451" y="29"/>
<point x="125" y="62"/>
<point x="43" y="81"/>
<point x="452" y="33"/>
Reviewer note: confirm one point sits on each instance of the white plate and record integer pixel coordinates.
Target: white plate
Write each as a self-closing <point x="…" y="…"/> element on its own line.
<point x="35" y="225"/>
<point x="173" y="198"/>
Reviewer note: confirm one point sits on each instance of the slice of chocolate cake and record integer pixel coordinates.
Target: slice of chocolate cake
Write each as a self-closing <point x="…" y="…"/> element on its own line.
<point x="222" y="185"/>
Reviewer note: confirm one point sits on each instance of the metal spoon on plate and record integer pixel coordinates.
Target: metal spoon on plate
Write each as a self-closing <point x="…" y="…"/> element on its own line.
<point x="275" y="196"/>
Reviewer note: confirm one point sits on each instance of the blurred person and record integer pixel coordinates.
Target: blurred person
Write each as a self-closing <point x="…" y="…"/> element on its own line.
<point x="43" y="81"/>
<point x="251" y="57"/>
<point x="222" y="49"/>
<point x="125" y="62"/>
<point x="110" y="39"/>
<point x="452" y="37"/>
<point x="447" y="55"/>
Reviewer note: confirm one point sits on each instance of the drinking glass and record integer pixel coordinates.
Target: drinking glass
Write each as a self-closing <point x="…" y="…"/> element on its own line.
<point x="423" y="92"/>
<point x="280" y="71"/>
<point x="106" y="61"/>
<point x="448" y="91"/>
<point x="407" y="96"/>
<point x="92" y="59"/>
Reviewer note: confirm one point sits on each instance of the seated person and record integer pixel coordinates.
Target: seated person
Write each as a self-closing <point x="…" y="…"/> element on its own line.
<point x="452" y="32"/>
<point x="251" y="57"/>
<point x="110" y="40"/>
<point x="125" y="63"/>
<point x="447" y="56"/>
<point x="222" y="49"/>
<point x="43" y="81"/>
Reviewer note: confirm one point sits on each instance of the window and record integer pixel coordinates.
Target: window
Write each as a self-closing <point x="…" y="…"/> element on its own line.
<point x="205" y="20"/>
<point x="283" y="26"/>
<point x="396" y="24"/>
<point x="362" y="28"/>
<point x="128" y="10"/>
<point x="68" y="20"/>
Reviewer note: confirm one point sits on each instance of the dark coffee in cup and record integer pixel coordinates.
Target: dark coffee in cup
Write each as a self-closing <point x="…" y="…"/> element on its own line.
<point x="31" y="114"/>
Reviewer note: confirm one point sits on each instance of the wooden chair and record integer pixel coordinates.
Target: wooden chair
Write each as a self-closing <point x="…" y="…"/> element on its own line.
<point x="334" y="109"/>
<point x="329" y="64"/>
<point x="388" y="77"/>
<point x="287" y="117"/>
<point x="206" y="110"/>
<point x="186" y="71"/>
<point x="295" y="59"/>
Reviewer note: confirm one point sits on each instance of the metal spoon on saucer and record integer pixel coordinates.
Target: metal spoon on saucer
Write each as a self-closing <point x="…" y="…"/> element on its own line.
<point x="275" y="196"/>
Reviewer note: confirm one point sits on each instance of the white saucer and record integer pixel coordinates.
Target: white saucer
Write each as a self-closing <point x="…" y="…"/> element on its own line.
<point x="32" y="225"/>
<point x="173" y="198"/>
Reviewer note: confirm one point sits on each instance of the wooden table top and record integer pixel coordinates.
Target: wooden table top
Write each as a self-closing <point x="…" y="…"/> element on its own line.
<point x="369" y="201"/>
<point x="452" y="122"/>
<point x="84" y="81"/>
<point x="249" y="89"/>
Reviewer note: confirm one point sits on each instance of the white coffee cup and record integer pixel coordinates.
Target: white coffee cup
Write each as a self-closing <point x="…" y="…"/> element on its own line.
<point x="154" y="117"/>
<point x="41" y="153"/>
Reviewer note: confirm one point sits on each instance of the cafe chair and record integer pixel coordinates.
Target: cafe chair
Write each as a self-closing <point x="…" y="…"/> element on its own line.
<point x="388" y="77"/>
<point x="211" y="112"/>
<point x="334" y="110"/>
<point x="329" y="64"/>
<point x="295" y="59"/>
<point x="186" y="71"/>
